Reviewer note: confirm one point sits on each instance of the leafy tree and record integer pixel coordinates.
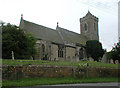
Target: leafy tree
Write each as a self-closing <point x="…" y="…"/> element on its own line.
<point x="117" y="48"/>
<point x="94" y="49"/>
<point x="14" y="39"/>
<point x="115" y="53"/>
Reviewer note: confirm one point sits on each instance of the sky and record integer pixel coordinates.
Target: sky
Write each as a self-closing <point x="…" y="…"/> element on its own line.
<point x="67" y="13"/>
<point x="119" y="21"/>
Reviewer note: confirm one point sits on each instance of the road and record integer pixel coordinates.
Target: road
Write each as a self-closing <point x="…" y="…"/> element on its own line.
<point x="83" y="85"/>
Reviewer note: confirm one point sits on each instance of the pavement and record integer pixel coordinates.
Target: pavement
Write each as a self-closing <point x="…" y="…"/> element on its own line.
<point x="82" y="85"/>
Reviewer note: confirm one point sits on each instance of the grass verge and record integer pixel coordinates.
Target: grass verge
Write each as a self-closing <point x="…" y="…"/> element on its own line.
<point x="50" y="81"/>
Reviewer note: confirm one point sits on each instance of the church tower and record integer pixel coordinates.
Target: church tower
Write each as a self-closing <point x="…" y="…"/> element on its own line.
<point x="89" y="26"/>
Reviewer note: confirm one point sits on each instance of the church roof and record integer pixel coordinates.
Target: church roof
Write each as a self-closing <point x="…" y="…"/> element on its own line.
<point x="42" y="32"/>
<point x="72" y="37"/>
<point x="59" y="36"/>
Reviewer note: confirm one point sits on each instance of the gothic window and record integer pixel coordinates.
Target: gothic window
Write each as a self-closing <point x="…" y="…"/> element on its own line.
<point x="60" y="51"/>
<point x="85" y="26"/>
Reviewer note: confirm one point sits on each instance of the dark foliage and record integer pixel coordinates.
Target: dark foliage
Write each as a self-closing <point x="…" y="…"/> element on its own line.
<point x="115" y="53"/>
<point x="94" y="49"/>
<point x="14" y="39"/>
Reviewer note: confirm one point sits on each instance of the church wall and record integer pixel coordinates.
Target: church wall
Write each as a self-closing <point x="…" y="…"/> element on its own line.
<point x="37" y="56"/>
<point x="51" y="52"/>
<point x="54" y="52"/>
<point x="43" y="49"/>
<point x="70" y="53"/>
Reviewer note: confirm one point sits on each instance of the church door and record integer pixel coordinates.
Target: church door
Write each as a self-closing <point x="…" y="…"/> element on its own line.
<point x="81" y="54"/>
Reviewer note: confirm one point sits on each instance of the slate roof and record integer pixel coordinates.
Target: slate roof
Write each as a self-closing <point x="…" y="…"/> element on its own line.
<point x="42" y="32"/>
<point x="72" y="37"/>
<point x="48" y="34"/>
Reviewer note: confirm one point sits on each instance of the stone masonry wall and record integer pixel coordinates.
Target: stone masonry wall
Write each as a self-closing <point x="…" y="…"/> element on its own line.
<point x="17" y="72"/>
<point x="54" y="53"/>
<point x="70" y="53"/>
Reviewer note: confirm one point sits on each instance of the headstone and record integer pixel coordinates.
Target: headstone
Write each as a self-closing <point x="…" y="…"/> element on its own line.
<point x="99" y="59"/>
<point x="104" y="58"/>
<point x="12" y="55"/>
<point x="77" y="58"/>
<point x="111" y="61"/>
<point x="73" y="59"/>
<point x="116" y="62"/>
<point x="91" y="59"/>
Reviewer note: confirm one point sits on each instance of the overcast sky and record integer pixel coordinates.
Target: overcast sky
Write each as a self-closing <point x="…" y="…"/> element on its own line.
<point x="67" y="13"/>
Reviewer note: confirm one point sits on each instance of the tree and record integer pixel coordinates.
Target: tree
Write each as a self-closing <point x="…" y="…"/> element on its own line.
<point x="14" y="39"/>
<point x="115" y="53"/>
<point x="94" y="49"/>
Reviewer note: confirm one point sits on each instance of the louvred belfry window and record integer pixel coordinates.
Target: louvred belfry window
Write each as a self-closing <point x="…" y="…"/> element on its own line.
<point x="85" y="27"/>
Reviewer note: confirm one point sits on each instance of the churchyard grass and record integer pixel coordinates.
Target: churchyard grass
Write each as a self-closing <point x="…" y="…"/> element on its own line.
<point x="62" y="80"/>
<point x="57" y="63"/>
<point x="51" y="81"/>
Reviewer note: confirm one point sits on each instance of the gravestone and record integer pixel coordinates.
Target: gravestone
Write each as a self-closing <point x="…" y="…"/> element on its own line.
<point x="91" y="59"/>
<point x="111" y="61"/>
<point x="99" y="59"/>
<point x="12" y="55"/>
<point x="77" y="58"/>
<point x="104" y="59"/>
<point x="116" y="62"/>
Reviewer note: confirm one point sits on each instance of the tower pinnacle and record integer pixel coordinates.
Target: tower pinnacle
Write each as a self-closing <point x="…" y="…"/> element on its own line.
<point x="57" y="24"/>
<point x="21" y="15"/>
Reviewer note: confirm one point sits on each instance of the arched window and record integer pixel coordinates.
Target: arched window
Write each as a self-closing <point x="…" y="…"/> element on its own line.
<point x="60" y="51"/>
<point x="85" y="27"/>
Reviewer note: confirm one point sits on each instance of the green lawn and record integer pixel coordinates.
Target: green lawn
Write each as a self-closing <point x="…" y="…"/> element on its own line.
<point x="50" y="81"/>
<point x="53" y="63"/>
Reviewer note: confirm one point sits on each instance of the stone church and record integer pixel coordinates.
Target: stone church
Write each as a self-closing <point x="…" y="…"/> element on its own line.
<point x="61" y="44"/>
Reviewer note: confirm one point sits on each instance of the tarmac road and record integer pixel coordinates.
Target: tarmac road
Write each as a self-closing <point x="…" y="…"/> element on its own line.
<point x="83" y="85"/>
